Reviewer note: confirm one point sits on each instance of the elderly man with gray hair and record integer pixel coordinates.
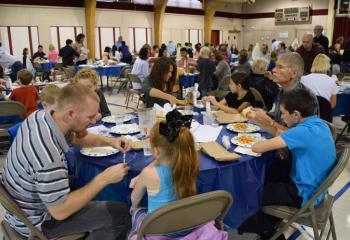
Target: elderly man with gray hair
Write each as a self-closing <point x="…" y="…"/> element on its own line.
<point x="320" y="38"/>
<point x="287" y="73"/>
<point x="308" y="51"/>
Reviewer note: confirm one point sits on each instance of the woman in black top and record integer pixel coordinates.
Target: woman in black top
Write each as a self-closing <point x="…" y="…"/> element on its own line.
<point x="239" y="96"/>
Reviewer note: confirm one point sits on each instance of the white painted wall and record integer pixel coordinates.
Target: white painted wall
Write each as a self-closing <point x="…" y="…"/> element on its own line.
<point x="262" y="30"/>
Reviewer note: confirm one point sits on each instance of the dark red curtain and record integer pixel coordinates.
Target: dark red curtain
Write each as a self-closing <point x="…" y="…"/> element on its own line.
<point x="341" y="28"/>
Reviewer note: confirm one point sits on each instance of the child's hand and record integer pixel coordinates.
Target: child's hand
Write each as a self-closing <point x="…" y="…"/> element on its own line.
<point x="212" y="100"/>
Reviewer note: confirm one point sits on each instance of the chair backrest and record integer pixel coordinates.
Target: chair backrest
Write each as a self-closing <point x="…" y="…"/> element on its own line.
<point x="258" y="97"/>
<point x="11" y="108"/>
<point x="187" y="214"/>
<point x="134" y="78"/>
<point x="325" y="109"/>
<point x="333" y="175"/>
<point x="333" y="129"/>
<point x="125" y="71"/>
<point x="10" y="205"/>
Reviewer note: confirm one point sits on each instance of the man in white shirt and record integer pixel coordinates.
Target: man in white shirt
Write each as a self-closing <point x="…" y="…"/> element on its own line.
<point x="274" y="45"/>
<point x="9" y="61"/>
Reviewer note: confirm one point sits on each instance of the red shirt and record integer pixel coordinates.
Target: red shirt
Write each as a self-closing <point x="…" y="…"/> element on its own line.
<point x="28" y="96"/>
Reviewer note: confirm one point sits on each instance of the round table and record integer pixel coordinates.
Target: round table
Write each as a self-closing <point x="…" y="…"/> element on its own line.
<point x="107" y="70"/>
<point x="244" y="179"/>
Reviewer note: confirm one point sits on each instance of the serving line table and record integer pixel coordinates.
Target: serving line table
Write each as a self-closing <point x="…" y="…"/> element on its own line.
<point x="107" y="70"/>
<point x="244" y="178"/>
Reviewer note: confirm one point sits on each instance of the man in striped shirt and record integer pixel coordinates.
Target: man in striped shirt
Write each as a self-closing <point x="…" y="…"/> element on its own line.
<point x="35" y="172"/>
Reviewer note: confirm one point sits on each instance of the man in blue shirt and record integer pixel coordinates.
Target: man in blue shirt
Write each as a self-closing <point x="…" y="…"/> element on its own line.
<point x="313" y="157"/>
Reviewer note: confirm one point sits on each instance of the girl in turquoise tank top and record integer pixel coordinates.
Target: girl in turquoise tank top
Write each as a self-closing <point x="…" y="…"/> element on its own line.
<point x="173" y="173"/>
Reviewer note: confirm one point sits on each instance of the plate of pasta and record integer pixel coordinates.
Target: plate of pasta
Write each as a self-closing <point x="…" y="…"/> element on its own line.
<point x="243" y="127"/>
<point x="247" y="140"/>
<point x="118" y="119"/>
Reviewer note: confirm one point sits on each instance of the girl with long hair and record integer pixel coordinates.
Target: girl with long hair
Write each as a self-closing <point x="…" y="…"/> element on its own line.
<point x="173" y="173"/>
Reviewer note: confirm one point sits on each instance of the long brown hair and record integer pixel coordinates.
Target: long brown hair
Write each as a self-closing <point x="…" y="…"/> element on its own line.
<point x="185" y="160"/>
<point x="159" y="71"/>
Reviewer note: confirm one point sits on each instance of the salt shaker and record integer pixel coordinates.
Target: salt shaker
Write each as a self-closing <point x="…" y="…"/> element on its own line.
<point x="226" y="142"/>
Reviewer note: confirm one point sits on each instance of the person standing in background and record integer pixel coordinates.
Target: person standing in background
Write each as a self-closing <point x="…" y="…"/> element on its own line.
<point x="79" y="47"/>
<point x="9" y="61"/>
<point x="53" y="54"/>
<point x="67" y="54"/>
<point x="320" y="38"/>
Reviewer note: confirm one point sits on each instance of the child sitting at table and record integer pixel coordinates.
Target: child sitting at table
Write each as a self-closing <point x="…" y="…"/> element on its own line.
<point x="88" y="78"/>
<point x="173" y="173"/>
<point x="238" y="98"/>
<point x="26" y="94"/>
<point x="313" y="156"/>
<point x="48" y="96"/>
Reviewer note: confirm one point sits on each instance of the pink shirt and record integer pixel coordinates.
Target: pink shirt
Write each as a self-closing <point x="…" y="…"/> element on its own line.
<point x="53" y="56"/>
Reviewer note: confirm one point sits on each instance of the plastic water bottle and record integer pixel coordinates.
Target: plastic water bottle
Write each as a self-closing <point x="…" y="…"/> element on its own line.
<point x="207" y="107"/>
<point x="183" y="93"/>
<point x="226" y="141"/>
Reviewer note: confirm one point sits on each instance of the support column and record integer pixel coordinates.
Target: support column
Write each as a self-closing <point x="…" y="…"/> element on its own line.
<point x="330" y="21"/>
<point x="159" y="10"/>
<point x="210" y="7"/>
<point x="90" y="13"/>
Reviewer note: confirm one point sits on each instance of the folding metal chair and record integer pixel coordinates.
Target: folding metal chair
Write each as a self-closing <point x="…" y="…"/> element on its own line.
<point x="310" y="215"/>
<point x="131" y="92"/>
<point x="10" y="234"/>
<point x="187" y="214"/>
<point x="14" y="110"/>
<point x="258" y="97"/>
<point x="122" y="79"/>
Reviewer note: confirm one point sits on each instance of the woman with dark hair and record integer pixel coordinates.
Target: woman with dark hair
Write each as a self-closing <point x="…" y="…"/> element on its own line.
<point x="163" y="52"/>
<point x="141" y="67"/>
<point x="239" y="96"/>
<point x="79" y="47"/>
<point x="158" y="86"/>
<point x="126" y="55"/>
<point x="27" y="64"/>
<point x="155" y="51"/>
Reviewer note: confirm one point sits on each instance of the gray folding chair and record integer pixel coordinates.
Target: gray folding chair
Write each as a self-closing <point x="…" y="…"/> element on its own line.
<point x="131" y="92"/>
<point x="187" y="214"/>
<point x="123" y="79"/>
<point x="8" y="108"/>
<point x="333" y="130"/>
<point x="10" y="234"/>
<point x="258" y="97"/>
<point x="310" y="215"/>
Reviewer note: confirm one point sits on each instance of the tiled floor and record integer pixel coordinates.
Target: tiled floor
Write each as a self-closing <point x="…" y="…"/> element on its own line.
<point x="341" y="208"/>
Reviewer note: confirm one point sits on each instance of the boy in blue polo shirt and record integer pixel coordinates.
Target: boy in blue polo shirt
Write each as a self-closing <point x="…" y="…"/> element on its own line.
<point x="313" y="156"/>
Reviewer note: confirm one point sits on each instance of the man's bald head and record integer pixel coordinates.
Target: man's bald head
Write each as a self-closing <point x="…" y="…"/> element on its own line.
<point x="307" y="41"/>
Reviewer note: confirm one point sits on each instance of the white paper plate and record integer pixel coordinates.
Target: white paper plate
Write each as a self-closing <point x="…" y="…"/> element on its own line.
<point x="99" y="151"/>
<point x="255" y="137"/>
<point x="118" y="119"/>
<point x="243" y="127"/>
<point x="125" y="129"/>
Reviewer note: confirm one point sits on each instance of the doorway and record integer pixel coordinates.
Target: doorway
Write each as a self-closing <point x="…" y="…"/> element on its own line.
<point x="215" y="37"/>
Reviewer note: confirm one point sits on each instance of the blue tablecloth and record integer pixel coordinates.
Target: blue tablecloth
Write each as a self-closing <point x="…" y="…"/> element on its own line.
<point x="46" y="67"/>
<point x="188" y="80"/>
<point x="343" y="105"/>
<point x="109" y="70"/>
<point x="244" y="179"/>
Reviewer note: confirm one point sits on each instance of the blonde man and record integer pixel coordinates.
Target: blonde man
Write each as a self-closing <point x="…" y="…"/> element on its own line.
<point x="35" y="173"/>
<point x="319" y="82"/>
<point x="88" y="78"/>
